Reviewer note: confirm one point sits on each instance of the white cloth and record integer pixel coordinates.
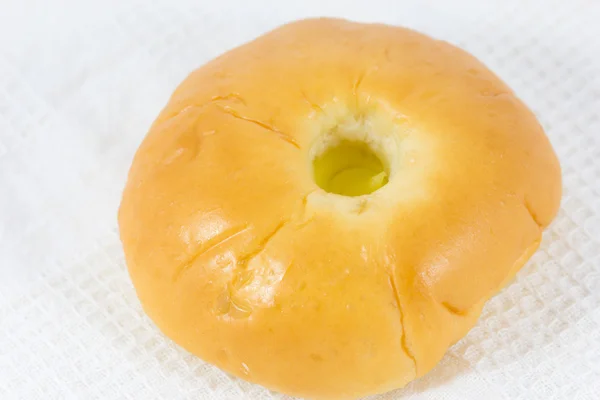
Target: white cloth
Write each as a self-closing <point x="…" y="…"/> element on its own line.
<point x="80" y="83"/>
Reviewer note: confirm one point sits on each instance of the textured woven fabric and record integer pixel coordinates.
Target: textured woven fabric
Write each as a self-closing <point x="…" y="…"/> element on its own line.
<point x="80" y="83"/>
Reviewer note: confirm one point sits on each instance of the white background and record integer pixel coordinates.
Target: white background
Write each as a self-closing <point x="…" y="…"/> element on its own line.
<point x="80" y="83"/>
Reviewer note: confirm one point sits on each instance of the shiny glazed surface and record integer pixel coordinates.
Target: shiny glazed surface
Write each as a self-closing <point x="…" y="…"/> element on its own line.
<point x="241" y="258"/>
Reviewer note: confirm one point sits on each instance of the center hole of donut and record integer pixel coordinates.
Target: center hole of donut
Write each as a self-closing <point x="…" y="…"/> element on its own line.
<point x="349" y="168"/>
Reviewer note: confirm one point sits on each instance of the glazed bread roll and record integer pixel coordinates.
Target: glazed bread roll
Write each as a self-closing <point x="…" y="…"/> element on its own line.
<point x="324" y="210"/>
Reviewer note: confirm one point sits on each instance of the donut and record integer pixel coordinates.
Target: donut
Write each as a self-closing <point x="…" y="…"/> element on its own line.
<point x="324" y="210"/>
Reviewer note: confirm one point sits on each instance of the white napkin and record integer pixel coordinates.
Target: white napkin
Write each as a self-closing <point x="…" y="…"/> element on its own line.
<point x="80" y="83"/>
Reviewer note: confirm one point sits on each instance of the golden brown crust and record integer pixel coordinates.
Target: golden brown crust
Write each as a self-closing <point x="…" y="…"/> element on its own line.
<point x="239" y="257"/>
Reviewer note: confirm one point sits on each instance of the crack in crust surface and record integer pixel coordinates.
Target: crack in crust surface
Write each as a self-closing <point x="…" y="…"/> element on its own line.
<point x="244" y="260"/>
<point x="231" y="97"/>
<point x="453" y="310"/>
<point x="403" y="340"/>
<point x="532" y="214"/>
<point x="210" y="244"/>
<point x="282" y="135"/>
<point x="312" y="104"/>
